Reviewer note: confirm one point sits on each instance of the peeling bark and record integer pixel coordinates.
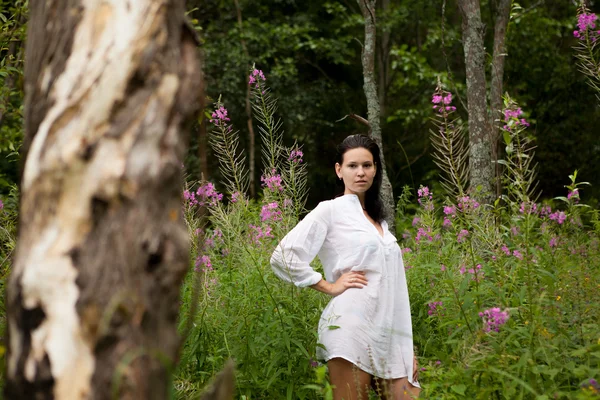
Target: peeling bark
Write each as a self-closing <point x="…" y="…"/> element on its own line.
<point x="111" y="86"/>
<point x="480" y="153"/>
<point x="367" y="8"/>
<point x="498" y="58"/>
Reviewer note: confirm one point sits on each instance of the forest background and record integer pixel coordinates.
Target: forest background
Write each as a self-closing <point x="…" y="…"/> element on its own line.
<point x="311" y="51"/>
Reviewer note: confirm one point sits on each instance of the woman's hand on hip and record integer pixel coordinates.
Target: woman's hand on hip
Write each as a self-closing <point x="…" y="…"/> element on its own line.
<point x="352" y="279"/>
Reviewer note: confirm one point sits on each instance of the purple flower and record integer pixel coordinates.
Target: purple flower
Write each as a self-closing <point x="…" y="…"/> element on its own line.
<point x="406" y="250"/>
<point x="1" y="205"/>
<point x="506" y="250"/>
<point x="493" y="319"/>
<point x="574" y="195"/>
<point x="272" y="181"/>
<point x="270" y="212"/>
<point x="466" y="204"/>
<point x="442" y="101"/>
<point x="219" y="116"/>
<point x="558" y="216"/>
<point x="287" y="203"/>
<point x="235" y="197"/>
<point x="462" y="235"/>
<point x="435" y="308"/>
<point x="206" y="195"/>
<point x="442" y="268"/>
<point x="255" y="77"/>
<point x="447" y="223"/>
<point x="296" y="156"/>
<point x="553" y="241"/>
<point x="511" y="116"/>
<point x="424" y="192"/>
<point x="528" y="208"/>
<point x="586" y="21"/>
<point x="422" y="233"/>
<point x="450" y="210"/>
<point x="518" y="254"/>
<point x="203" y="261"/>
<point x="257" y="233"/>
<point x="416" y="221"/>
<point x="545" y="210"/>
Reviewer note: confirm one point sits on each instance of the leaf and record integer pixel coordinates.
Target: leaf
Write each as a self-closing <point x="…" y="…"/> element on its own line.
<point x="460" y="389"/>
<point x="507" y="137"/>
<point x="333" y="327"/>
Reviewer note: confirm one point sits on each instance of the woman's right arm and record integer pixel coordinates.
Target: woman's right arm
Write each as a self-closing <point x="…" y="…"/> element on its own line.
<point x="292" y="257"/>
<point x="352" y="279"/>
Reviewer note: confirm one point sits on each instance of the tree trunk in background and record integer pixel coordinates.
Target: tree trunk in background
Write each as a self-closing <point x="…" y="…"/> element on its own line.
<point x="93" y="297"/>
<point x="383" y="54"/>
<point x="502" y="13"/>
<point x="250" y="123"/>
<point x="367" y="8"/>
<point x="480" y="154"/>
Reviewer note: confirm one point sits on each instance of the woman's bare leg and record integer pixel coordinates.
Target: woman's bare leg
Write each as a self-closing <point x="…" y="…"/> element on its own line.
<point x="398" y="389"/>
<point x="350" y="382"/>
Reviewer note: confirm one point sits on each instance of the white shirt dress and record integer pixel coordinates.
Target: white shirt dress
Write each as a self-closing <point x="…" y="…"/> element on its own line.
<point x="370" y="327"/>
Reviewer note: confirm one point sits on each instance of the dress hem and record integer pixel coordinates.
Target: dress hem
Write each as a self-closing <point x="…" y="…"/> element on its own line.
<point x="370" y="372"/>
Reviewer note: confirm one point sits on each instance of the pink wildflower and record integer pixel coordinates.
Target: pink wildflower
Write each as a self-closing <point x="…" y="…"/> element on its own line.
<point x="435" y="307"/>
<point x="493" y="319"/>
<point x="272" y="181"/>
<point x="462" y="235"/>
<point x="203" y="261"/>
<point x="466" y="204"/>
<point x="518" y="254"/>
<point x="257" y="233"/>
<point x="586" y="22"/>
<point x="255" y="77"/>
<point x="296" y="156"/>
<point x="270" y="212"/>
<point x="450" y="210"/>
<point x="558" y="216"/>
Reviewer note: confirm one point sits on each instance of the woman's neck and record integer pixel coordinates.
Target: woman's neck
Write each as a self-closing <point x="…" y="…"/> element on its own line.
<point x="360" y="195"/>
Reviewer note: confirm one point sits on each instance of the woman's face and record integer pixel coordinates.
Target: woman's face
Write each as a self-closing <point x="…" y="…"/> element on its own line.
<point x="357" y="170"/>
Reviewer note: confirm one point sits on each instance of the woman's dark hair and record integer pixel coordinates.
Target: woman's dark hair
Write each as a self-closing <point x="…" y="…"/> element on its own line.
<point x="373" y="203"/>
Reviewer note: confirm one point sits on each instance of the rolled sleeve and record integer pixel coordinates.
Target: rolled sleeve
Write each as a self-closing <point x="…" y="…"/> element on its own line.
<point x="292" y="256"/>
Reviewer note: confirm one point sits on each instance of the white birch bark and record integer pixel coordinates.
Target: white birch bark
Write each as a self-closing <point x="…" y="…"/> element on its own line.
<point x="108" y="135"/>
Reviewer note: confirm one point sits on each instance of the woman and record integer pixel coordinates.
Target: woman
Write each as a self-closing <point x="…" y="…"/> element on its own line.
<point x="365" y="329"/>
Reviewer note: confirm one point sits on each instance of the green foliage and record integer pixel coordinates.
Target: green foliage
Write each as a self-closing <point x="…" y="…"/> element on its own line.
<point x="8" y="237"/>
<point x="538" y="265"/>
<point x="520" y="168"/>
<point x="588" y="52"/>
<point x="451" y="148"/>
<point x="13" y="15"/>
